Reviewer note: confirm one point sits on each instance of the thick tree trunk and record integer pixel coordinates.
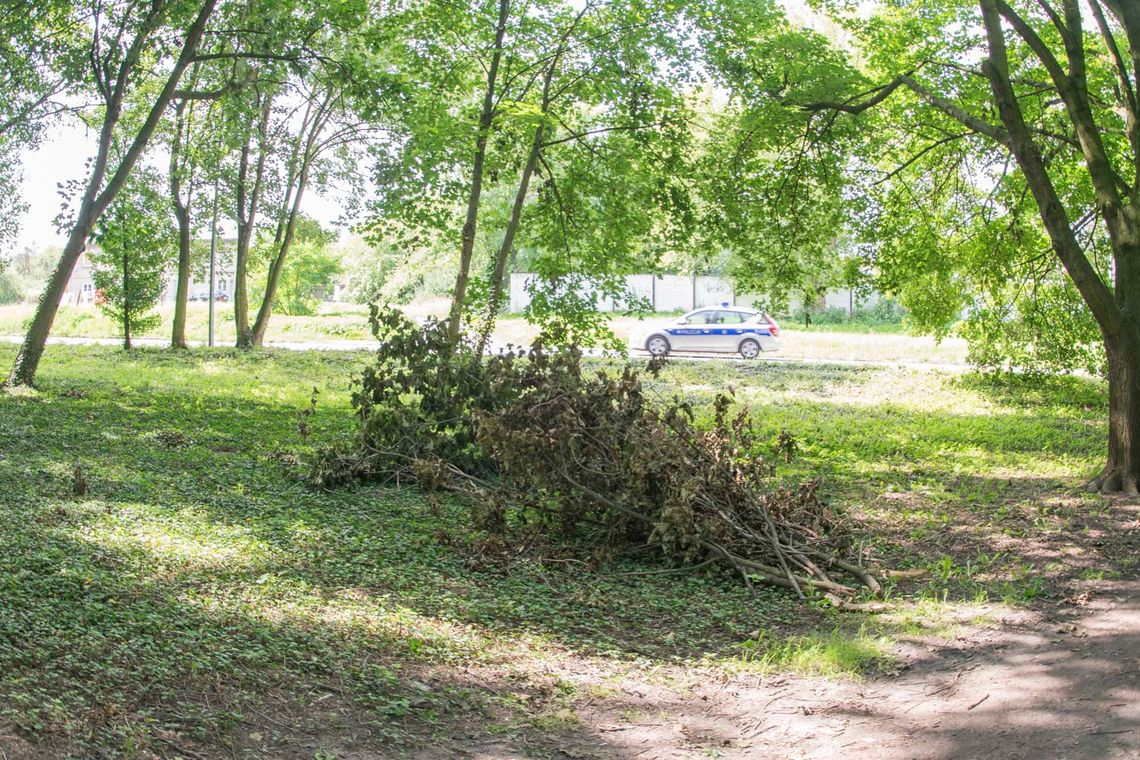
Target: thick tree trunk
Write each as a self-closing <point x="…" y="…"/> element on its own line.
<point x="486" y="118"/>
<point x="1115" y="310"/>
<point x="32" y="349"/>
<point x="1122" y="471"/>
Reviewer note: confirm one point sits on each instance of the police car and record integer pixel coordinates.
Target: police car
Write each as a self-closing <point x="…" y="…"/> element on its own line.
<point x="721" y="329"/>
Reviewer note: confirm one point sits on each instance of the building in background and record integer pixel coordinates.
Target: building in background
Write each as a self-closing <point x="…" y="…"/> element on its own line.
<point x="81" y="287"/>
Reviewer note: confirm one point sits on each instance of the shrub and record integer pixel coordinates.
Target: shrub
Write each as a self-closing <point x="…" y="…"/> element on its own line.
<point x="885" y="311"/>
<point x="11" y="291"/>
<point x="544" y="447"/>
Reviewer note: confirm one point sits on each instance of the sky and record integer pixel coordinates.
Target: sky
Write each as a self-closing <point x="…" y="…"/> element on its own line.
<point x="62" y="158"/>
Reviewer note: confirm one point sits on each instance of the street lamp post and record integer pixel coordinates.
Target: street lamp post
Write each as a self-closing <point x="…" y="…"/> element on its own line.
<point x="213" y="262"/>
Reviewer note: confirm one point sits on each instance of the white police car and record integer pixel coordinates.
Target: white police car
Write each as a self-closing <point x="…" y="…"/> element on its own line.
<point x="720" y="329"/>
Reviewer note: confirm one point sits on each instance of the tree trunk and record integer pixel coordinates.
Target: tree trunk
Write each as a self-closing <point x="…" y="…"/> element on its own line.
<point x="1114" y="309"/>
<point x="182" y="214"/>
<point x="28" y="358"/>
<point x="182" y="289"/>
<point x="1122" y="471"/>
<point x="536" y="146"/>
<point x="248" y="198"/>
<point x="257" y="336"/>
<point x="486" y="118"/>
<point x="241" y="293"/>
<point x="305" y="153"/>
<point x="500" y="271"/>
<point x="126" y="302"/>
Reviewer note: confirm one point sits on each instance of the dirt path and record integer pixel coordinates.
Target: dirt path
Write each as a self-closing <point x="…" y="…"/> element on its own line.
<point x="1032" y="686"/>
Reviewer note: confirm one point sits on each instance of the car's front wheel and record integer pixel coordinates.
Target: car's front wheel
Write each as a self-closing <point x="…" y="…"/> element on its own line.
<point x="749" y="349"/>
<point x="657" y="345"/>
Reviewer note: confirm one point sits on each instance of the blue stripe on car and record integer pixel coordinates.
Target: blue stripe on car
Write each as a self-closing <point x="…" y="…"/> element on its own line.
<point x="717" y="331"/>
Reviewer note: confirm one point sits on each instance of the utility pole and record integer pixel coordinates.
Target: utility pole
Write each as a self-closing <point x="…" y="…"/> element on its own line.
<point x="213" y="263"/>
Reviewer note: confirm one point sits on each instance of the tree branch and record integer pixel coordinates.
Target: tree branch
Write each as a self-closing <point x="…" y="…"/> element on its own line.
<point x="1128" y="92"/>
<point x="854" y="105"/>
<point x="917" y="156"/>
<point x="603" y="130"/>
<point x="975" y="123"/>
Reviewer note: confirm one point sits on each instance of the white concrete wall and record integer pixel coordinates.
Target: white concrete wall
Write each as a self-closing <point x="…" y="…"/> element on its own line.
<point x="640" y="286"/>
<point x="667" y="292"/>
<point x="714" y="291"/>
<point x="675" y="292"/>
<point x="520" y="297"/>
<point x="839" y="298"/>
<point x="672" y="292"/>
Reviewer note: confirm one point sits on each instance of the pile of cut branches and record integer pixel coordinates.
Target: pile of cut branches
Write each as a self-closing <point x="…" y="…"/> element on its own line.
<point x="589" y="458"/>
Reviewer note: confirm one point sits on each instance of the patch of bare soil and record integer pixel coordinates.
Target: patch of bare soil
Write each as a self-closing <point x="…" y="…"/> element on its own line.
<point x="1031" y="686"/>
<point x="1058" y="677"/>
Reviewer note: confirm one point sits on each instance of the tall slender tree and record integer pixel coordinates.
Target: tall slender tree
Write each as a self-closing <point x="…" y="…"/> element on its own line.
<point x="540" y="92"/>
<point x="482" y="135"/>
<point x="133" y="47"/>
<point x="196" y="149"/>
<point x="249" y="189"/>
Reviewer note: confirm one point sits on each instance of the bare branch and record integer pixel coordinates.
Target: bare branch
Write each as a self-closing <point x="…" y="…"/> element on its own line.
<point x="954" y="111"/>
<point x="918" y="156"/>
<point x="603" y="130"/>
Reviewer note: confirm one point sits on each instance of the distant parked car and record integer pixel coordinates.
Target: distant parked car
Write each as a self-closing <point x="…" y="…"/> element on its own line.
<point x="723" y="329"/>
<point x="221" y="298"/>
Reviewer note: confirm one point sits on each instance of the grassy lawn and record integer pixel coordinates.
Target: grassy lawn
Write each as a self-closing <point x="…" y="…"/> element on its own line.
<point x="197" y="597"/>
<point x="340" y="322"/>
<point x="334" y="322"/>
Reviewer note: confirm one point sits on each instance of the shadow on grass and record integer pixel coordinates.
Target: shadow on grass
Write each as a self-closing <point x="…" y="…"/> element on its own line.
<point x="196" y="579"/>
<point x="100" y="657"/>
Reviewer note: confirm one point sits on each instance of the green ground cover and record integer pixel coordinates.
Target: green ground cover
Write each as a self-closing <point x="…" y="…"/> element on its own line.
<point x="196" y="589"/>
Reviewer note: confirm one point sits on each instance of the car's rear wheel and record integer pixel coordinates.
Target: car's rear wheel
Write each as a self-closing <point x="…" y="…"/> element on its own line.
<point x="657" y="345"/>
<point x="749" y="349"/>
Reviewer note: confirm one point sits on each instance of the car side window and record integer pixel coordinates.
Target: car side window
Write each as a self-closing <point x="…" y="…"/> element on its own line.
<point x="730" y="317"/>
<point x="702" y="318"/>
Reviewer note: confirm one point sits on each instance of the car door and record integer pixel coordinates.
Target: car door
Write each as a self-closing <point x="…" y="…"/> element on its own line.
<point x="728" y="331"/>
<point x="695" y="333"/>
